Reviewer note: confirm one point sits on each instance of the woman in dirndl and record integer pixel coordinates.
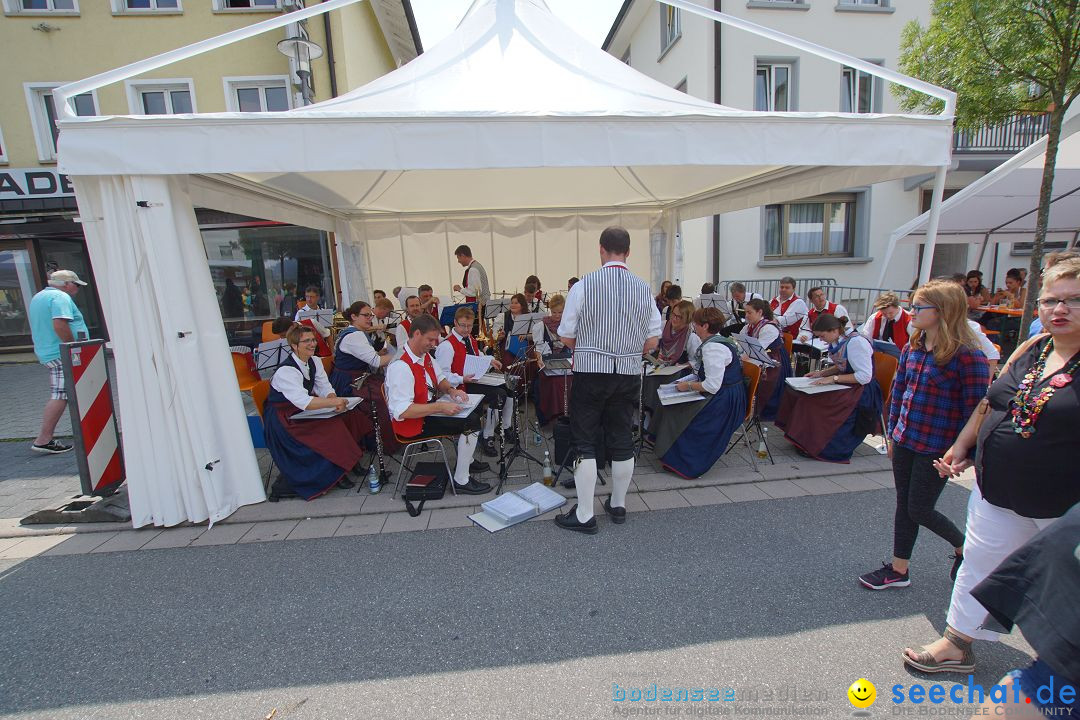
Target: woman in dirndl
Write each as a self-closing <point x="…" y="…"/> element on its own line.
<point x="314" y="455"/>
<point x="690" y="437"/>
<point x="761" y="325"/>
<point x="354" y="356"/>
<point x="830" y="425"/>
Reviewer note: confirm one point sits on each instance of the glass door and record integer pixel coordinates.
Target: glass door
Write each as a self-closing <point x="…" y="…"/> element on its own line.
<point x="17" y="286"/>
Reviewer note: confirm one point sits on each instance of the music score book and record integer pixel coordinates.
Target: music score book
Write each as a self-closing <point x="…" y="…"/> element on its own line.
<point x="350" y="403"/>
<point x="670" y="394"/>
<point x="805" y="385"/>
<point x="469" y="406"/>
<point x="516" y="507"/>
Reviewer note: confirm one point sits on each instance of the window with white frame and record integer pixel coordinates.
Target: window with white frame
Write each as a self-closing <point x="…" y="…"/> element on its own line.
<point x="873" y="3"/>
<point x="3" y="149"/>
<point x="670" y="26"/>
<point x="247" y="4"/>
<point x="136" y="6"/>
<point x="265" y="94"/>
<point x="161" y="97"/>
<point x="772" y="87"/>
<point x="13" y="7"/>
<point x="43" y="115"/>
<point x="816" y="227"/>
<point x="860" y="92"/>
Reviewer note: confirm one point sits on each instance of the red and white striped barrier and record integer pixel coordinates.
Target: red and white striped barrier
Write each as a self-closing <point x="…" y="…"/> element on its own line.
<point x="93" y="420"/>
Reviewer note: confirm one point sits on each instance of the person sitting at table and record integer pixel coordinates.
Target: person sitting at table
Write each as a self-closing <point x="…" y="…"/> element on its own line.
<point x="736" y="307"/>
<point x="675" y="343"/>
<point x="1014" y="294"/>
<point x="819" y="305"/>
<point x="830" y="425"/>
<point x="413" y="310"/>
<point x="790" y="309"/>
<point x="887" y="327"/>
<point x="515" y="347"/>
<point x="413" y="383"/>
<point x="691" y="436"/>
<point x="762" y="325"/>
<point x="977" y="293"/>
<point x="450" y="357"/>
<point x="314" y="455"/>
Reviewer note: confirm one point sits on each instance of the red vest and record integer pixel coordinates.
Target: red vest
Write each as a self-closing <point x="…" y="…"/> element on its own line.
<point x="899" y="328"/>
<point x="465" y="283"/>
<point x="412" y="426"/>
<point x="830" y="309"/>
<point x="407" y="324"/>
<point x="457" y="365"/>
<point x="779" y="308"/>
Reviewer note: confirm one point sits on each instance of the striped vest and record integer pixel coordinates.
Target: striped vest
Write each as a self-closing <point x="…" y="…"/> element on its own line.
<point x="613" y="322"/>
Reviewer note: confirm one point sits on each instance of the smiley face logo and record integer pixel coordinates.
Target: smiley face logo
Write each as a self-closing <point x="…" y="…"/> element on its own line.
<point x="862" y="693"/>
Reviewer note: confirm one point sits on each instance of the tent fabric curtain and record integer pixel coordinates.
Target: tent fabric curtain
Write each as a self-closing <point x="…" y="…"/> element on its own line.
<point x="352" y="262"/>
<point x="187" y="447"/>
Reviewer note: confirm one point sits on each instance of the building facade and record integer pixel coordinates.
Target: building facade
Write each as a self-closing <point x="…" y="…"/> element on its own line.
<point x="841" y="235"/>
<point x="59" y="41"/>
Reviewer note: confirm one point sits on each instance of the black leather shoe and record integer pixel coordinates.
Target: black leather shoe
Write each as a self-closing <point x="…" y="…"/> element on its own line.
<point x="487" y="445"/>
<point x="475" y="487"/>
<point x="346" y="483"/>
<point x="478" y="466"/>
<point x="617" y="514"/>
<point x="569" y="521"/>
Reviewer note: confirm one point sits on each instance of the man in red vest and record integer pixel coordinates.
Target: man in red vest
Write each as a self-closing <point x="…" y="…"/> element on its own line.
<point x="413" y="382"/>
<point x="821" y="305"/>
<point x="403" y="329"/>
<point x="888" y="327"/>
<point x="788" y="308"/>
<point x="428" y="302"/>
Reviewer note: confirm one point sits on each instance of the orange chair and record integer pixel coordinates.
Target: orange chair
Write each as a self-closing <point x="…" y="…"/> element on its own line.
<point x="884" y="373"/>
<point x="419" y="447"/>
<point x="259" y="392"/>
<point x="328" y="364"/>
<point x="752" y="373"/>
<point x="246" y="375"/>
<point x="788" y="341"/>
<point x="267" y="333"/>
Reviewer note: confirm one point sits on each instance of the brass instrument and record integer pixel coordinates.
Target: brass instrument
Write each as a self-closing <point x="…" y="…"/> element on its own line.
<point x="339" y="324"/>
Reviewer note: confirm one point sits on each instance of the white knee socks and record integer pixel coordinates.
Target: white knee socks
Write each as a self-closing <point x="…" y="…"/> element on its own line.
<point x="585" y="481"/>
<point x="466" y="444"/>
<point x="508" y="413"/>
<point x="489" y="424"/>
<point x="621" y="473"/>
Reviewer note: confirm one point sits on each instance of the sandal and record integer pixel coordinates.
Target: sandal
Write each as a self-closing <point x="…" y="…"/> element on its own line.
<point x="925" y="661"/>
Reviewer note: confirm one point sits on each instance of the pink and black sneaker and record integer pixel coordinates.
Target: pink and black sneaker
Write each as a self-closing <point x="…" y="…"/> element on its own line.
<point x="884" y="578"/>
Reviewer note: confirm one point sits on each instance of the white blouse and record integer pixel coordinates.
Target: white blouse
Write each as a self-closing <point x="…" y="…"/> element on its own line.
<point x="767" y="335"/>
<point x="860" y="359"/>
<point x="289" y="382"/>
<point x="358" y="345"/>
<point x="399" y="383"/>
<point x="693" y="342"/>
<point x="716" y="356"/>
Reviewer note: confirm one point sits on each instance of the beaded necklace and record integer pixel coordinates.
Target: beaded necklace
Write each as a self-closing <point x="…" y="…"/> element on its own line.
<point x="1027" y="405"/>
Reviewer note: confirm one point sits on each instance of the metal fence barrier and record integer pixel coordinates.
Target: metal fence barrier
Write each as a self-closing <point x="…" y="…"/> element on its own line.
<point x="859" y="301"/>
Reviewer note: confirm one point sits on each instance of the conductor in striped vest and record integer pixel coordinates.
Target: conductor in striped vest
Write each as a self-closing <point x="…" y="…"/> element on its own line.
<point x="610" y="322"/>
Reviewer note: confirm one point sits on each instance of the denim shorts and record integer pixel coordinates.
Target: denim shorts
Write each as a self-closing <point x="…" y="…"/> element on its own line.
<point x="1039" y="674"/>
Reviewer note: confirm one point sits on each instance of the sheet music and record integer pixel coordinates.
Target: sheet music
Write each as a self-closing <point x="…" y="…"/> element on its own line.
<point x="754" y="350"/>
<point x="469" y="406"/>
<point x="511" y="508"/>
<point x="477" y="365"/>
<point x="805" y="385"/>
<point x="523" y="323"/>
<point x="714" y="300"/>
<point x="270" y="354"/>
<point x="350" y="403"/>
<point x="670" y="394"/>
<point x="492" y="379"/>
<point x="543" y="497"/>
<point x="323" y="317"/>
<point x="665" y="370"/>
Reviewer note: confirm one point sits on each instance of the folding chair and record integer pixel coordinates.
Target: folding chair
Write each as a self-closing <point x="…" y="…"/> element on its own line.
<point x="259" y="392"/>
<point x="419" y="446"/>
<point x="328" y="364"/>
<point x="246" y="376"/>
<point x="753" y="374"/>
<point x="267" y="331"/>
<point x="884" y="372"/>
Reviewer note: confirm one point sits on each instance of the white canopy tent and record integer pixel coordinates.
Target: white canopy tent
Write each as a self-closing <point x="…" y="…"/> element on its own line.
<point x="1001" y="206"/>
<point x="514" y="136"/>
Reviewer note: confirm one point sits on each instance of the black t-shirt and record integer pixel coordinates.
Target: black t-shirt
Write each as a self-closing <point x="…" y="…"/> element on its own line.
<point x="1036" y="477"/>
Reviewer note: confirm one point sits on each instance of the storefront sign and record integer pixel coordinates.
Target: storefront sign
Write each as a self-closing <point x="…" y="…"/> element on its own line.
<point x="33" y="183"/>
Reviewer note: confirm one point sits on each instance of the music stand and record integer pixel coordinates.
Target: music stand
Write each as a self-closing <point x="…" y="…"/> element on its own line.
<point x="755" y="351"/>
<point x="495" y="307"/>
<point x="516" y="450"/>
<point x="322" y="316"/>
<point x="714" y="300"/>
<point x="269" y="355"/>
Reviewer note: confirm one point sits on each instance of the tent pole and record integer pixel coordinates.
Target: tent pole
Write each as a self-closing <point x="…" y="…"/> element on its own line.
<point x="889" y="248"/>
<point x="982" y="251"/>
<point x="932" y="224"/>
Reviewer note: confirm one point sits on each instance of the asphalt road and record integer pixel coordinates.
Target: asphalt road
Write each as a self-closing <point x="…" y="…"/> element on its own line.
<point x="531" y="622"/>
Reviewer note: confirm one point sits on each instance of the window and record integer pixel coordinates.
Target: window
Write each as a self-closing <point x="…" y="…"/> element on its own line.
<point x="161" y="97"/>
<point x="263" y="94"/>
<point x="772" y="87"/>
<point x="681" y="87"/>
<point x="67" y="7"/>
<point x="875" y="3"/>
<point x="670" y="26"/>
<point x="43" y="115"/>
<point x="822" y="227"/>
<point x="860" y="92"/>
<point x="133" y="6"/>
<point x="626" y="56"/>
<point x="247" y="4"/>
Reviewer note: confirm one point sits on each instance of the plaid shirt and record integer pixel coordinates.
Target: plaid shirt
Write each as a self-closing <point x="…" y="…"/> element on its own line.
<point x="930" y="403"/>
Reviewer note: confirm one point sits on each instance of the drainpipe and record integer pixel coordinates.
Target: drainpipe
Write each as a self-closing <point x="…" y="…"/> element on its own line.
<point x="717" y="87"/>
<point x="331" y="64"/>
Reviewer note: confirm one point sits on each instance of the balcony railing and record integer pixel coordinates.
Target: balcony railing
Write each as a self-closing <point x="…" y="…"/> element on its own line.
<point x="1013" y="135"/>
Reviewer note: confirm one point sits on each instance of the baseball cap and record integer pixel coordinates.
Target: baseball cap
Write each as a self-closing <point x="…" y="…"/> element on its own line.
<point x="65" y="276"/>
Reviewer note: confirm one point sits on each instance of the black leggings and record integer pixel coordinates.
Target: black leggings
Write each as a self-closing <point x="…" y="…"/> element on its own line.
<point x="918" y="487"/>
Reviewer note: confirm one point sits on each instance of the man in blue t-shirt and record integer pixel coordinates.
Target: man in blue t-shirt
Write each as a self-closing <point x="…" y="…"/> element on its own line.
<point x="54" y="318"/>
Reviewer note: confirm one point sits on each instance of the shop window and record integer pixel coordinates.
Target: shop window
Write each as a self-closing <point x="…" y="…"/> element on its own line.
<point x="820" y="227"/>
<point x="263" y="94"/>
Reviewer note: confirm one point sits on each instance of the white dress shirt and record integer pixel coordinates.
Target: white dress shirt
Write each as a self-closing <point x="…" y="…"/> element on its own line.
<point x="322" y="329"/>
<point x="289" y="382"/>
<point x="715" y="356"/>
<point x="401" y="338"/>
<point x="400" y="383"/>
<point x="795" y="315"/>
<point x="985" y="345"/>
<point x="358" y="345"/>
<point x="444" y="358"/>
<point x="568" y="325"/>
<point x="806" y="332"/>
<point x="860" y="359"/>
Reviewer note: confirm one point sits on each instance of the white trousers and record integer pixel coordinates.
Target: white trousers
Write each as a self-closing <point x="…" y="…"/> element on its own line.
<point x="992" y="534"/>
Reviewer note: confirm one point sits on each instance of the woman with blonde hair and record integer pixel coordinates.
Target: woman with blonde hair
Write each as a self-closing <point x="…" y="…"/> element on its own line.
<point x="941" y="378"/>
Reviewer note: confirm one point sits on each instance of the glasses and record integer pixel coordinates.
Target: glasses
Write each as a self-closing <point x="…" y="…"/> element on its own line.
<point x="920" y="308"/>
<point x="1049" y="303"/>
<point x="308" y="341"/>
<point x="367" y="315"/>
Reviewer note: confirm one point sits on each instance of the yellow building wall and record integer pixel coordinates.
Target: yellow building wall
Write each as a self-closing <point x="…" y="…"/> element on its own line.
<point x="97" y="40"/>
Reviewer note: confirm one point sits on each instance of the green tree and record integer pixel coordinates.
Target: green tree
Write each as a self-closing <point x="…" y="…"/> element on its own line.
<point x="1000" y="57"/>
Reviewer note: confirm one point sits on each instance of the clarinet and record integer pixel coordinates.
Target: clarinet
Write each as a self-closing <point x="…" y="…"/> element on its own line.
<point x="357" y="385"/>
